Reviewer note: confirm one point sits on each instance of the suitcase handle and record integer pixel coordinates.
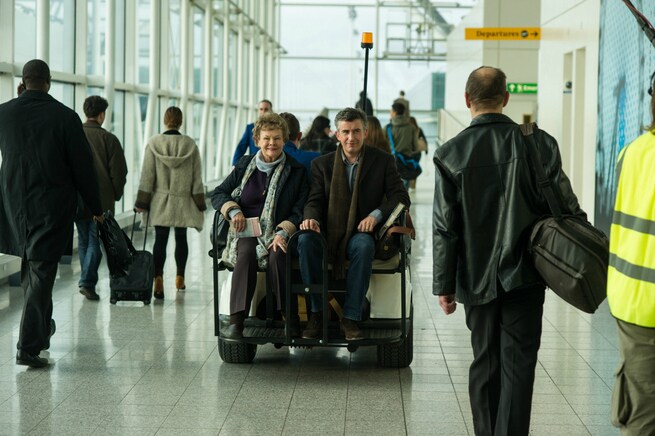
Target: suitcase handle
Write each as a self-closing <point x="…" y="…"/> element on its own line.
<point x="145" y="236"/>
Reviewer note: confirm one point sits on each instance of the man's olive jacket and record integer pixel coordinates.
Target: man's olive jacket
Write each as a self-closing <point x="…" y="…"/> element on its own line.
<point x="486" y="200"/>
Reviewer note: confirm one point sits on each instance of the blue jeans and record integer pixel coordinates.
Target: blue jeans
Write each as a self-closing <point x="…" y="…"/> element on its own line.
<point x="88" y="248"/>
<point x="359" y="251"/>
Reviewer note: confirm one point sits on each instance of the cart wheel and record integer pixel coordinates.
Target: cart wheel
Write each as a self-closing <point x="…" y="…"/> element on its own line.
<point x="146" y="302"/>
<point x="113" y="300"/>
<point x="352" y="347"/>
<point x="397" y="355"/>
<point x="236" y="352"/>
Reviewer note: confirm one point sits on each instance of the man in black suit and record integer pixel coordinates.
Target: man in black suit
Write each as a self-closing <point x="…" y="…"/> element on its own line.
<point x="46" y="161"/>
<point x="353" y="190"/>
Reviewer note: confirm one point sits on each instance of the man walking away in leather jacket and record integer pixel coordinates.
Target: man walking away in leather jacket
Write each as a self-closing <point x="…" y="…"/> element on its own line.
<point x="486" y="200"/>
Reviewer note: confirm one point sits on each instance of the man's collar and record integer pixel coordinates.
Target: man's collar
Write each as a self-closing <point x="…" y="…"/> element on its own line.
<point x="491" y="117"/>
<point x="345" y="159"/>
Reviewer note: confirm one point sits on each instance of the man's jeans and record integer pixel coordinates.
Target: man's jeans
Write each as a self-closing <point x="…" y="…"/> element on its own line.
<point x="88" y="247"/>
<point x="360" y="252"/>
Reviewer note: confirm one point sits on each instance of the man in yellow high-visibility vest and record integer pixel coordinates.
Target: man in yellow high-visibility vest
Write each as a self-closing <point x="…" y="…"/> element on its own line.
<point x="631" y="286"/>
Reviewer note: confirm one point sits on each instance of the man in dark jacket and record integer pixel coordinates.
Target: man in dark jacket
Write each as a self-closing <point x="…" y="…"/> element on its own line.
<point x="111" y="168"/>
<point x="247" y="142"/>
<point x="46" y="161"/>
<point x="486" y="200"/>
<point x="353" y="190"/>
<point x="303" y="157"/>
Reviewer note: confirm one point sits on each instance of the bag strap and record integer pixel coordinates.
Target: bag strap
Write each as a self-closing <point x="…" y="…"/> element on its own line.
<point x="543" y="181"/>
<point x="405" y="161"/>
<point x="391" y="143"/>
<point x="402" y="230"/>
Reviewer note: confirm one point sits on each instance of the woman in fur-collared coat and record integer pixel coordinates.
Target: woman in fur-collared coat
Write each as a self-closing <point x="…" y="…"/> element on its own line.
<point x="172" y="192"/>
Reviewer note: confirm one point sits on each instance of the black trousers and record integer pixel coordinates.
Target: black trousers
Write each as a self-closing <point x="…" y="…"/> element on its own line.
<point x="37" y="280"/>
<point x="159" y="249"/>
<point x="244" y="277"/>
<point x="505" y="335"/>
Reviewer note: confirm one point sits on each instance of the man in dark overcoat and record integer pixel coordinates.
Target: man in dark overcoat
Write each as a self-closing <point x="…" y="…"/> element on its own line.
<point x="353" y="190"/>
<point x="46" y="161"/>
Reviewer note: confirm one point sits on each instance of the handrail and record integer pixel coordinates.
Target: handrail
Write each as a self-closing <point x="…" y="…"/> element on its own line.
<point x="449" y="125"/>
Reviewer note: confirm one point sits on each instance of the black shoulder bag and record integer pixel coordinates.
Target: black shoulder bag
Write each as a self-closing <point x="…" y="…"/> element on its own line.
<point x="570" y="254"/>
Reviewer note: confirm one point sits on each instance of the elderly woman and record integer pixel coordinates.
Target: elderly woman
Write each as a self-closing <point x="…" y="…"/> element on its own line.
<point x="172" y="192"/>
<point x="273" y="187"/>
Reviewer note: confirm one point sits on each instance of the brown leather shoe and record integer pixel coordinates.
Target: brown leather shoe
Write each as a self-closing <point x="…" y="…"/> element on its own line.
<point x="351" y="330"/>
<point x="159" y="288"/>
<point x="314" y="329"/>
<point x="179" y="283"/>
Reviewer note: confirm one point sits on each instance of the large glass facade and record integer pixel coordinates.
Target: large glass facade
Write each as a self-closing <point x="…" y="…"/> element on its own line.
<point x="104" y="47"/>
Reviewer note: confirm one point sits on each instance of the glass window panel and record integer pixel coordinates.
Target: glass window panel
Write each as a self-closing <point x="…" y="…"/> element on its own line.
<point x="64" y="93"/>
<point x="24" y="31"/>
<point x="217" y="66"/>
<point x="95" y="37"/>
<point x="194" y="125"/>
<point x="198" y="44"/>
<point x="119" y="41"/>
<point x="313" y="43"/>
<point x="232" y="66"/>
<point x="213" y="150"/>
<point x="143" y="41"/>
<point x="246" y="68"/>
<point x="143" y="110"/>
<point x="62" y="35"/>
<point x="258" y="73"/>
<point x="174" y="45"/>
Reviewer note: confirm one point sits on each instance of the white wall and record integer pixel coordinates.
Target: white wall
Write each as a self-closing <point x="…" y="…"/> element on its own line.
<point x="569" y="51"/>
<point x="518" y="59"/>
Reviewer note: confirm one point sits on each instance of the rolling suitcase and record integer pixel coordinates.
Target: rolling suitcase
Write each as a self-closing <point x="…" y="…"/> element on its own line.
<point x="137" y="284"/>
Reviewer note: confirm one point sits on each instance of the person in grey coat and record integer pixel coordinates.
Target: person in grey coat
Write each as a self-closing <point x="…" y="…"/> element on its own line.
<point x="111" y="169"/>
<point x="172" y="192"/>
<point x="46" y="161"/>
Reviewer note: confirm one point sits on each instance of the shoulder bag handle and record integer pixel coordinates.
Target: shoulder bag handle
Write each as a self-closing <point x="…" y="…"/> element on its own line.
<point x="535" y="161"/>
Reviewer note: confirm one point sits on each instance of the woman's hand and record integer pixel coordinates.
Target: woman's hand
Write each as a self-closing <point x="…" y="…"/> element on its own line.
<point x="140" y="210"/>
<point x="280" y="242"/>
<point x="239" y="222"/>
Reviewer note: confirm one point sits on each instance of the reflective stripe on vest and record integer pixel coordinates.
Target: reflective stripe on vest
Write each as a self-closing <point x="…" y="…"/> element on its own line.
<point x="631" y="274"/>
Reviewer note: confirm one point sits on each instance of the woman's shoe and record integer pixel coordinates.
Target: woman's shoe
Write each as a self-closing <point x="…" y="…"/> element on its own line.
<point x="159" y="288"/>
<point x="235" y="329"/>
<point x="179" y="283"/>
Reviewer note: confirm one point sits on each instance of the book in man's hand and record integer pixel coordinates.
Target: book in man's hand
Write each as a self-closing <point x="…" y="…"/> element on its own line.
<point x="252" y="229"/>
<point x="391" y="219"/>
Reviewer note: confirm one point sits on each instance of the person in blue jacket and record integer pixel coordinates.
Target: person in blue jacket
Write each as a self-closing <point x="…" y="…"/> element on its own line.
<point x="247" y="143"/>
<point x="303" y="157"/>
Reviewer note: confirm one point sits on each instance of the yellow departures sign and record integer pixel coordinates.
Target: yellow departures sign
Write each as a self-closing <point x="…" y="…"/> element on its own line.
<point x="503" y="33"/>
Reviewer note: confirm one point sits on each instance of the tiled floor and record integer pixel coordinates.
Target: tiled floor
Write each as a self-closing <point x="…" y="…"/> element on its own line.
<point x="130" y="369"/>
